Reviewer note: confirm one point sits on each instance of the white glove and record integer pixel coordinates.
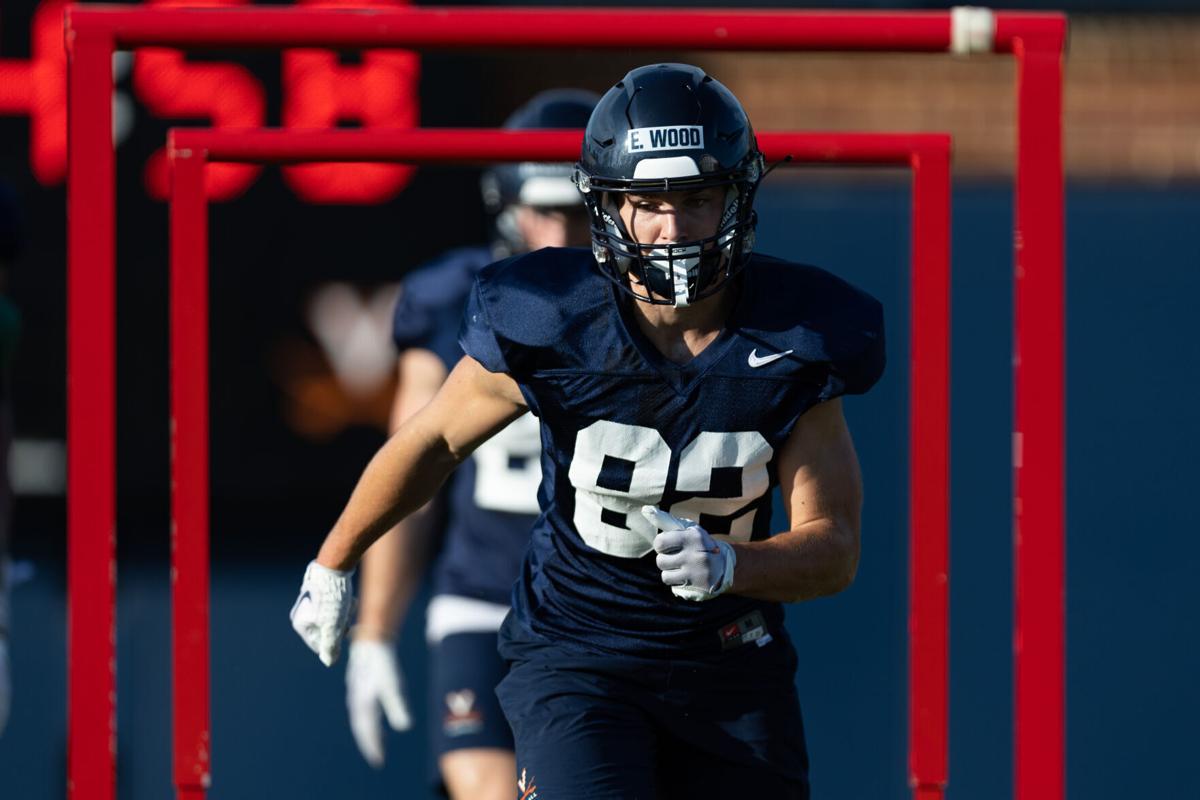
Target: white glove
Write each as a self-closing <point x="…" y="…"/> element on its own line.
<point x="321" y="613"/>
<point x="374" y="681"/>
<point x="694" y="564"/>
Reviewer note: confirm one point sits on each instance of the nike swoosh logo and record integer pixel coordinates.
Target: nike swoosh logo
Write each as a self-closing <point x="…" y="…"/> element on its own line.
<point x="756" y="360"/>
<point x="305" y="595"/>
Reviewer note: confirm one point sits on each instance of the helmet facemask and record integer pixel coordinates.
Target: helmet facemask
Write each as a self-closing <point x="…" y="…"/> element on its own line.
<point x="669" y="128"/>
<point x="678" y="273"/>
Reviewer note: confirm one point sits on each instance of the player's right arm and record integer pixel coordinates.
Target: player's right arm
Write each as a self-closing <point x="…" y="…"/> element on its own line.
<point x="392" y="567"/>
<point x="391" y="571"/>
<point x="472" y="406"/>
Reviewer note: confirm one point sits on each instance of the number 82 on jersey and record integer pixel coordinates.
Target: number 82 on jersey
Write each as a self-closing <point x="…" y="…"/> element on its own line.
<point x="618" y="468"/>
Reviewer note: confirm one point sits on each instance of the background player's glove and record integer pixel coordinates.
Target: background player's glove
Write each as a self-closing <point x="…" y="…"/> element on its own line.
<point x="374" y="683"/>
<point x="322" y="611"/>
<point x="694" y="564"/>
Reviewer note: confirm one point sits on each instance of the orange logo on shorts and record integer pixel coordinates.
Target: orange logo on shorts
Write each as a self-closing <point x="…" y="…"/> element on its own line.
<point x="527" y="788"/>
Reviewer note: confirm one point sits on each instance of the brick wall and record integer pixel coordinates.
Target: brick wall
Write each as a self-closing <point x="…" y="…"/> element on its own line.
<point x="1132" y="97"/>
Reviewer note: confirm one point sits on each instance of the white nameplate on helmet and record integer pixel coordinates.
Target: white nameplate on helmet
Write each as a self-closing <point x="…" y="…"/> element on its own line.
<point x="669" y="137"/>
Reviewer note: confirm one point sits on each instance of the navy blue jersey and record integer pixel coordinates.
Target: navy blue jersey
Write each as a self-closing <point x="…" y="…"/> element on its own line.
<point x="493" y="499"/>
<point x="622" y="426"/>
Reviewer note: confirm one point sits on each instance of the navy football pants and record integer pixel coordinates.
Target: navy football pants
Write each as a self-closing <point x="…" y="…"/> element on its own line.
<point x="616" y="728"/>
<point x="464" y="669"/>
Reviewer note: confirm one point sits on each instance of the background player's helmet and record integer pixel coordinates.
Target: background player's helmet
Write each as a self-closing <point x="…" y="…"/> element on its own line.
<point x="529" y="183"/>
<point x="670" y="127"/>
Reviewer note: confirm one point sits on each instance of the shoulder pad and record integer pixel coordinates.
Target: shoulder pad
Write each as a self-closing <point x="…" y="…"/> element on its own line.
<point x="433" y="290"/>
<point x="822" y="318"/>
<point x="523" y="308"/>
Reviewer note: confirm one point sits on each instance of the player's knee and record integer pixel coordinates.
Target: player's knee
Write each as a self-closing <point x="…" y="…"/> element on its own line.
<point x="479" y="774"/>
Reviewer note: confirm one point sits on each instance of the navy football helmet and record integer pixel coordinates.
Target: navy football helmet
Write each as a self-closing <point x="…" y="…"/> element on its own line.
<point x="670" y="127"/>
<point x="532" y="184"/>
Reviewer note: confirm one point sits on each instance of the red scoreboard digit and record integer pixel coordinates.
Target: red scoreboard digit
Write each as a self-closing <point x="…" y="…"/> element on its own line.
<point x="228" y="95"/>
<point x="37" y="88"/>
<point x="319" y="91"/>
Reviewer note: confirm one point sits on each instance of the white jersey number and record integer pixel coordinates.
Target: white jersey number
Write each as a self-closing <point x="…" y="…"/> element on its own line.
<point x="619" y="468"/>
<point x="508" y="469"/>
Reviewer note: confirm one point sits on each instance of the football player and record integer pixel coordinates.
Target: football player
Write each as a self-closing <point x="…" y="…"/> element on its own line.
<point x="678" y="376"/>
<point x="491" y="506"/>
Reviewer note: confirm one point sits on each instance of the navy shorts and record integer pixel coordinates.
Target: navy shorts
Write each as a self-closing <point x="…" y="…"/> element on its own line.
<point x="464" y="669"/>
<point x="593" y="727"/>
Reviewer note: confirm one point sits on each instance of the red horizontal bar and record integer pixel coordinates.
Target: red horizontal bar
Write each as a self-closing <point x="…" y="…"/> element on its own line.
<point x="479" y="145"/>
<point x="524" y="27"/>
<point x="1045" y="30"/>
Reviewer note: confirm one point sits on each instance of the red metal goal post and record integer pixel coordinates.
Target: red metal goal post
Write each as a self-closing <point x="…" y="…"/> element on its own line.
<point x="1036" y="40"/>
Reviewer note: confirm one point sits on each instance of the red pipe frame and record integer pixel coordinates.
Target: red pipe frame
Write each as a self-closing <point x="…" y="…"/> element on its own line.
<point x="927" y="154"/>
<point x="91" y="430"/>
<point x="1039" y="433"/>
<point x="1035" y="39"/>
<point x="189" y="478"/>
<point x="514" y="27"/>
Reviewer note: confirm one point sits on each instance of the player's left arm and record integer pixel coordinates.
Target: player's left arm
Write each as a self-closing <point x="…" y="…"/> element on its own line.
<point x="822" y="491"/>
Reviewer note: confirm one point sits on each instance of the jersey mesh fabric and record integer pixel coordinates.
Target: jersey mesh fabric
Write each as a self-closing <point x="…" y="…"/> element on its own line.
<point x="622" y="427"/>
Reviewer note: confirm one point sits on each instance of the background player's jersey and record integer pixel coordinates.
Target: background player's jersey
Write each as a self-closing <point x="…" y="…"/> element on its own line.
<point x="623" y="427"/>
<point x="493" y="498"/>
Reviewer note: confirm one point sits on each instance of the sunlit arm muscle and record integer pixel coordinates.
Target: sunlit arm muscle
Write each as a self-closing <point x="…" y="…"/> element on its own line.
<point x="392" y="567"/>
<point x="822" y="494"/>
<point x="471" y="406"/>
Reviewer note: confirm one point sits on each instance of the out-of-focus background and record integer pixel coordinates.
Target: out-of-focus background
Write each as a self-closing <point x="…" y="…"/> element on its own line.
<point x="304" y="264"/>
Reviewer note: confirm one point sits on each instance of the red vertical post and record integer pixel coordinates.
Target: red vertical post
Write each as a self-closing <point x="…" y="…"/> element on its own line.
<point x="1039" y="436"/>
<point x="1036" y="40"/>
<point x="91" y="423"/>
<point x="929" y="471"/>
<point x="189" y="472"/>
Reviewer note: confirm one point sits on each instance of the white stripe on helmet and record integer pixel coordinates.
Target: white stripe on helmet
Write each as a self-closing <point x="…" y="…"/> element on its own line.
<point x="545" y="190"/>
<point x="676" y="167"/>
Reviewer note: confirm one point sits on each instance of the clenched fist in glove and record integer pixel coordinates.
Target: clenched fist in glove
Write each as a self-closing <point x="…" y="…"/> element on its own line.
<point x="374" y="685"/>
<point x="694" y="564"/>
<point x="321" y="613"/>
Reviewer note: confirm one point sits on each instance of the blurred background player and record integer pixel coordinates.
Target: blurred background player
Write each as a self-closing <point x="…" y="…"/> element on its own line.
<point x="11" y="239"/>
<point x="492" y="503"/>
